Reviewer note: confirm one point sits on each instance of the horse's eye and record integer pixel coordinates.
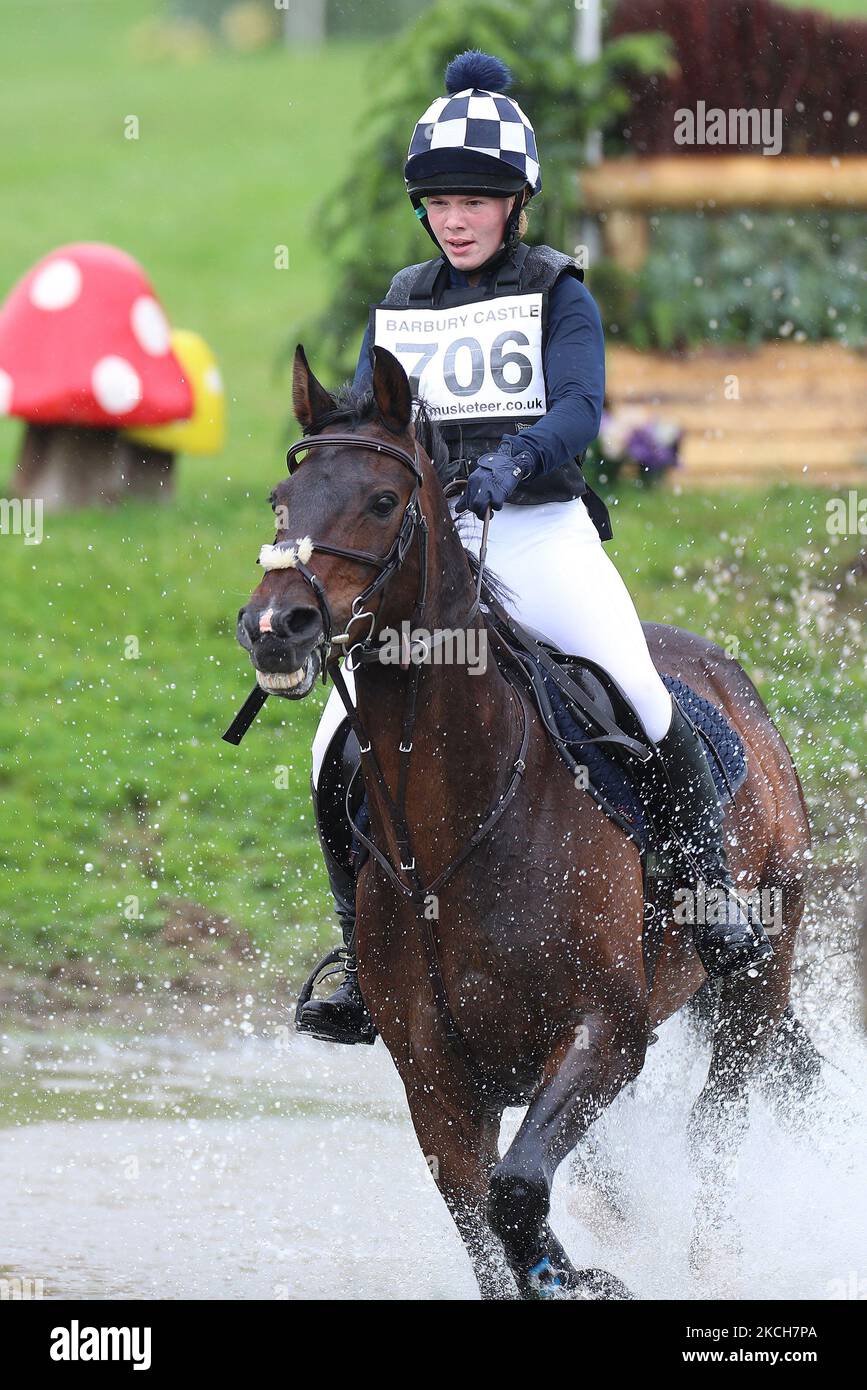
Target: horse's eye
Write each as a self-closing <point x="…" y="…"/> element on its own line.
<point x="384" y="504"/>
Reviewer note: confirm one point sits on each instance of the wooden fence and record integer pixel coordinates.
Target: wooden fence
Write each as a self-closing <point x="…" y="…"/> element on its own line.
<point x="796" y="410"/>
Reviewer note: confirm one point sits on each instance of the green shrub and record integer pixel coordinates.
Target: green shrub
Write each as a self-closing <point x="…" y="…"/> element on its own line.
<point x="742" y="277"/>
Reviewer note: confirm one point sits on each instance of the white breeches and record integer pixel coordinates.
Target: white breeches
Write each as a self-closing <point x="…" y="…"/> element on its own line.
<point x="564" y="585"/>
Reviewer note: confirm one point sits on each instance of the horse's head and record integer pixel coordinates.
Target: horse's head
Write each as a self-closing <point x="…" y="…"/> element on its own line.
<point x="345" y="518"/>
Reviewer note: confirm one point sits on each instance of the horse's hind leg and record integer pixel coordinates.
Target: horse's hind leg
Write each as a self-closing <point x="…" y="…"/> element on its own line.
<point x="746" y="1036"/>
<point x="790" y="1071"/>
<point x="749" y="1013"/>
<point x="717" y="1125"/>
<point x="583" y="1075"/>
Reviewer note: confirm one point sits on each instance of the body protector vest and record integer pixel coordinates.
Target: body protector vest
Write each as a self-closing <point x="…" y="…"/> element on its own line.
<point x="476" y="356"/>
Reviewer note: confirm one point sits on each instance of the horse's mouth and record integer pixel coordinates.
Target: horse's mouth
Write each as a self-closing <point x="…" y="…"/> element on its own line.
<point x="292" y="685"/>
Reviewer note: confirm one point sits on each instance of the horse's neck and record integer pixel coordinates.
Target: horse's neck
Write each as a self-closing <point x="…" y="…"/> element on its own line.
<point x="467" y="722"/>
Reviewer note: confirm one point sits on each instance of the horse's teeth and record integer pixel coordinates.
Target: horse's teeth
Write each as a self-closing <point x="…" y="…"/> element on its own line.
<point x="280" y="680"/>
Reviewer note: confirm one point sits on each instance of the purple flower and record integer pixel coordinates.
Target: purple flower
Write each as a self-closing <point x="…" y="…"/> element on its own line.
<point x="646" y="448"/>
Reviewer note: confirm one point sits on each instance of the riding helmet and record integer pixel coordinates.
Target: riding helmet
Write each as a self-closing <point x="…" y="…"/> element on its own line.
<point x="474" y="140"/>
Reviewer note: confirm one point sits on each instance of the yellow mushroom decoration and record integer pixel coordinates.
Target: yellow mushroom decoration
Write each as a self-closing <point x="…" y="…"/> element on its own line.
<point x="205" y="431"/>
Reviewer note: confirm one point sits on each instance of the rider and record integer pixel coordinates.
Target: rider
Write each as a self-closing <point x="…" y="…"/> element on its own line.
<point x="472" y="166"/>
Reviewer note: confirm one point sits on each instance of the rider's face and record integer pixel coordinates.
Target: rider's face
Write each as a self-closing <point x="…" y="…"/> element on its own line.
<point x="469" y="229"/>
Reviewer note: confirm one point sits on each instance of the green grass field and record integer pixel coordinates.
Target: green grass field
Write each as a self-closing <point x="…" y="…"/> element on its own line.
<point x="840" y="9"/>
<point x="118" y="796"/>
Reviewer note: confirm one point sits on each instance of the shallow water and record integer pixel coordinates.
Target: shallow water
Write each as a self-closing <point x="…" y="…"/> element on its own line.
<point x="179" y="1167"/>
<point x="169" y="1169"/>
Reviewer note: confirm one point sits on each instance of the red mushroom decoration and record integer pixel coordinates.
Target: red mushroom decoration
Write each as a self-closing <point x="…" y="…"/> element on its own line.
<point x="85" y="350"/>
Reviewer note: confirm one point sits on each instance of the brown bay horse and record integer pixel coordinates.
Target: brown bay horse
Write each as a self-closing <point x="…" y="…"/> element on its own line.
<point x="537" y="933"/>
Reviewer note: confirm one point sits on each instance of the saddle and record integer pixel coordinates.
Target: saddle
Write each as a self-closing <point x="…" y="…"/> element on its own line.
<point x="610" y="772"/>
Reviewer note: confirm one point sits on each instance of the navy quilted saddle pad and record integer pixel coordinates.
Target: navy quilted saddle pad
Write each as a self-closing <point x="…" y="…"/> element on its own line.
<point x="726" y="754"/>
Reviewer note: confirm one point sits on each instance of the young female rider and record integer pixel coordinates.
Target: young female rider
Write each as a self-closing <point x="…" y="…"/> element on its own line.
<point x="473" y="161"/>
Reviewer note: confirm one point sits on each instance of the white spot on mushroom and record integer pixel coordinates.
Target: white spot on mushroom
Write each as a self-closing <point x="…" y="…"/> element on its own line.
<point x="116" y="385"/>
<point x="150" y="326"/>
<point x="5" y="392"/>
<point x="57" y="285"/>
<point x="214" y="381"/>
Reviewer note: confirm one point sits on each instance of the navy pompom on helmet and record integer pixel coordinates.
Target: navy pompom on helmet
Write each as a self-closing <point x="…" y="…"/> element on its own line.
<point x="474" y="140"/>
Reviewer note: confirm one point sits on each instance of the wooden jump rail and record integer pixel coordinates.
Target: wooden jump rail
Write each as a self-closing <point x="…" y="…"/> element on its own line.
<point x="726" y="181"/>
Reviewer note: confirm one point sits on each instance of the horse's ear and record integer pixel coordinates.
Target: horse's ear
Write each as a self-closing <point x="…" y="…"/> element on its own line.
<point x="309" y="399"/>
<point x="391" y="390"/>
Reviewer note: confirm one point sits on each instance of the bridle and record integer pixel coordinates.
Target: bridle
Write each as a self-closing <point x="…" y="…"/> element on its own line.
<point x="413" y="523"/>
<point x="296" y="555"/>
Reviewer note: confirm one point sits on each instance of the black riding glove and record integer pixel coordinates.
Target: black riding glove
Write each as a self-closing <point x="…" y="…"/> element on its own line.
<point x="494" y="479"/>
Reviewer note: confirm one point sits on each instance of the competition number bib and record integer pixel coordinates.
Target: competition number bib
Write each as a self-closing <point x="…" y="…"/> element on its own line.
<point x="471" y="361"/>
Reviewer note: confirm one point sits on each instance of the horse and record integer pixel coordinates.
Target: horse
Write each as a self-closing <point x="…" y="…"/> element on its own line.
<point x="499" y="935"/>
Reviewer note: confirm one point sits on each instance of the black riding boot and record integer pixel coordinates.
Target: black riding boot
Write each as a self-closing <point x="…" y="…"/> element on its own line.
<point x="690" y="811"/>
<point x="343" y="1016"/>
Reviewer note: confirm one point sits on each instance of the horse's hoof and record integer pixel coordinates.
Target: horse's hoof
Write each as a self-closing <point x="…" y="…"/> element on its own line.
<point x="546" y="1280"/>
<point x="599" y="1284"/>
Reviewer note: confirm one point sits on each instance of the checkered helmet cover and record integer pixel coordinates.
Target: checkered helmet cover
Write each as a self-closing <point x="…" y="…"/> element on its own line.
<point x="480" y="122"/>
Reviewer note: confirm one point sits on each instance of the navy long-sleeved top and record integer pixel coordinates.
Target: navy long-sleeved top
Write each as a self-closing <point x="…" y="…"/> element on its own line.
<point x="574" y="363"/>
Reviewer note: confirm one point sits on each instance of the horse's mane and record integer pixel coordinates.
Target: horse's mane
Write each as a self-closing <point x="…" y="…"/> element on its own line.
<point x="354" y="407"/>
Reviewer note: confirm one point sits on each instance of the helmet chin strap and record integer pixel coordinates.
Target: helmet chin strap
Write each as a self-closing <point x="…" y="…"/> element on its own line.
<point x="510" y="241"/>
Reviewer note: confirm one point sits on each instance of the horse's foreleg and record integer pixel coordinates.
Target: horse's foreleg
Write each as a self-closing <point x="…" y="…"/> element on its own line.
<point x="460" y="1152"/>
<point x="790" y="1069"/>
<point x="582" y="1077"/>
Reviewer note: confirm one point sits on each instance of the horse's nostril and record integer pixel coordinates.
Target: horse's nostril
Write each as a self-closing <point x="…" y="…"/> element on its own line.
<point x="247" y="623"/>
<point x="301" y="622"/>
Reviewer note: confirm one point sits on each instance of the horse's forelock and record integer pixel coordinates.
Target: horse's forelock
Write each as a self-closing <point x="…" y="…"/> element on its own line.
<point x="356" y="407"/>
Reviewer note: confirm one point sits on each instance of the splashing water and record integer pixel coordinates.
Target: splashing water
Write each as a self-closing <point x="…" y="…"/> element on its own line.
<point x="169" y="1168"/>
